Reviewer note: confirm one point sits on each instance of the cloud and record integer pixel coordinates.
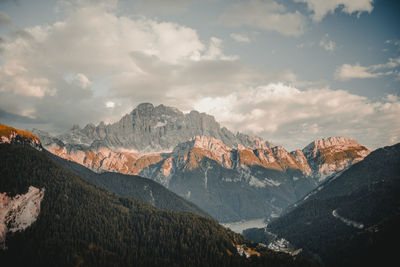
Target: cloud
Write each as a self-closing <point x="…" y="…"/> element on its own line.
<point x="241" y="38"/>
<point x="347" y="71"/>
<point x="289" y="116"/>
<point x="327" y="44"/>
<point x="269" y="16"/>
<point x="16" y="78"/>
<point x="320" y="8"/>
<point x="65" y="72"/>
<point x="97" y="65"/>
<point x="82" y="80"/>
<point x="356" y="71"/>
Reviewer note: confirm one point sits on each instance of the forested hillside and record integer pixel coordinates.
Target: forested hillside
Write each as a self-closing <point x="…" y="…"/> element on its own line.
<point x="81" y="224"/>
<point x="352" y="214"/>
<point x="134" y="186"/>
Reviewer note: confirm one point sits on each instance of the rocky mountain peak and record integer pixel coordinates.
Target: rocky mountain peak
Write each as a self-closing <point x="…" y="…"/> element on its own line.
<point x="149" y="110"/>
<point x="329" y="142"/>
<point x="150" y="129"/>
<point x="253" y="141"/>
<point x="333" y="154"/>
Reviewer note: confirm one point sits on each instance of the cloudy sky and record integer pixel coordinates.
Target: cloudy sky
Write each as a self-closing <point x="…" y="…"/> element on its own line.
<point x="289" y="71"/>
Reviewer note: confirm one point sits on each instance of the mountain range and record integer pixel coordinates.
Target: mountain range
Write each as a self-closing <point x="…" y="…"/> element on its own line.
<point x="65" y="200"/>
<point x="230" y="176"/>
<point x="51" y="216"/>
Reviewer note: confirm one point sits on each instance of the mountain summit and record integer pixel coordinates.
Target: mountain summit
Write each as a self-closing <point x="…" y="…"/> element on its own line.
<point x="331" y="154"/>
<point x="151" y="128"/>
<point x="178" y="150"/>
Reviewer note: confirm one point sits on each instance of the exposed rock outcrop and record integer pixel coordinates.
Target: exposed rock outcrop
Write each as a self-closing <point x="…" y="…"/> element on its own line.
<point x="19" y="212"/>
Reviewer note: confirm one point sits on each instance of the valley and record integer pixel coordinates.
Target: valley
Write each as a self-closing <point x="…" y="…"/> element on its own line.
<point x="251" y="190"/>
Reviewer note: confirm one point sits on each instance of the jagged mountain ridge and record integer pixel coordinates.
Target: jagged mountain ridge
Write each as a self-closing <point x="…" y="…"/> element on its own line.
<point x="123" y="146"/>
<point x="153" y="129"/>
<point x="329" y="155"/>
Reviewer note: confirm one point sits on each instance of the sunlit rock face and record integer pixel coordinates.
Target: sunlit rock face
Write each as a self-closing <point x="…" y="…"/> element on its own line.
<point x="332" y="154"/>
<point x="19" y="212"/>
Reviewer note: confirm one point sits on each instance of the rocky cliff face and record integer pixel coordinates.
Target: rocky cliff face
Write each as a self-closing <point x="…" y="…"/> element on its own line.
<point x="19" y="212"/>
<point x="332" y="154"/>
<point x="318" y="160"/>
<point x="150" y="129"/>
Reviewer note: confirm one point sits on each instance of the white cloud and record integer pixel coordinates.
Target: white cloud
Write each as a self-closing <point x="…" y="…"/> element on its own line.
<point x="129" y="59"/>
<point x="269" y="16"/>
<point x="286" y="115"/>
<point x="327" y="44"/>
<point x="115" y="62"/>
<point x="82" y="80"/>
<point x="348" y="71"/>
<point x="16" y="78"/>
<point x="321" y="8"/>
<point x="241" y="38"/>
<point x="78" y="79"/>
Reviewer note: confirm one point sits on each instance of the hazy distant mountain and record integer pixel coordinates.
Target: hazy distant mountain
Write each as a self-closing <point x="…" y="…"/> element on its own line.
<point x="50" y="216"/>
<point x="251" y="178"/>
<point x="354" y="214"/>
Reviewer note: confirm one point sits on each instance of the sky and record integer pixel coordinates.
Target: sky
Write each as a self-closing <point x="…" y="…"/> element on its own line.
<point x="289" y="71"/>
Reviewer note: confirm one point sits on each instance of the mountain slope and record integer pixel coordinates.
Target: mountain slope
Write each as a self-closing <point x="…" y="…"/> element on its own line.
<point x="230" y="183"/>
<point x="137" y="187"/>
<point x="349" y="214"/>
<point x="80" y="224"/>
